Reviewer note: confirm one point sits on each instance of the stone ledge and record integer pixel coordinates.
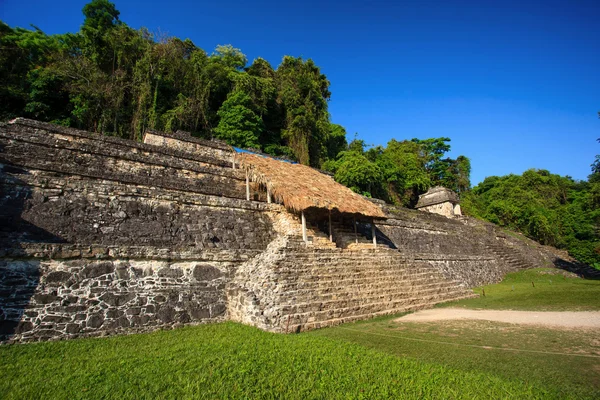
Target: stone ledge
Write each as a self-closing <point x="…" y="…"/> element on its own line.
<point x="43" y="179"/>
<point x="59" y="251"/>
<point x="448" y="257"/>
<point x="95" y="147"/>
<point x="108" y="139"/>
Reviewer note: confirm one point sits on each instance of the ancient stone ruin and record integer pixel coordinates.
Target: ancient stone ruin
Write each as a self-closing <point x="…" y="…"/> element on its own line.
<point x="440" y="200"/>
<point x="100" y="235"/>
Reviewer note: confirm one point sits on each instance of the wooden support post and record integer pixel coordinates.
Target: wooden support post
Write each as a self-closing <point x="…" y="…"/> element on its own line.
<point x="268" y="195"/>
<point x="355" y="231"/>
<point x="373" y="233"/>
<point x="330" y="231"/>
<point x="233" y="161"/>
<point x="247" y="186"/>
<point x="304" y="237"/>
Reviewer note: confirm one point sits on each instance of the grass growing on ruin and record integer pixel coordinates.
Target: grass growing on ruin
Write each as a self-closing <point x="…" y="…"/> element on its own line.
<point x="505" y="351"/>
<point x="234" y="361"/>
<point x="539" y="289"/>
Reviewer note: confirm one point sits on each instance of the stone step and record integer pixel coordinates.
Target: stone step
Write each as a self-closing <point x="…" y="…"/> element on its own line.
<point x="359" y="317"/>
<point x="337" y="284"/>
<point x="311" y="276"/>
<point x="318" y="285"/>
<point x="349" y="262"/>
<point x="337" y="304"/>
<point x="366" y="291"/>
<point x="374" y="308"/>
<point x="376" y="254"/>
<point x="356" y="276"/>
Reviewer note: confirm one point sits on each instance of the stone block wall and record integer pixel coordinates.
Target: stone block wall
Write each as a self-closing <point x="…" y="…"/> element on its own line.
<point x="48" y="299"/>
<point x="41" y="206"/>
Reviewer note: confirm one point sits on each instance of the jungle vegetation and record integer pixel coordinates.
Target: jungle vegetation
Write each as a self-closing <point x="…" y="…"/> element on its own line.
<point x="116" y="80"/>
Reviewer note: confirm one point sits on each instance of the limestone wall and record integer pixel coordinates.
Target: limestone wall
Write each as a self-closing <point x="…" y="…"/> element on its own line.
<point x="59" y="299"/>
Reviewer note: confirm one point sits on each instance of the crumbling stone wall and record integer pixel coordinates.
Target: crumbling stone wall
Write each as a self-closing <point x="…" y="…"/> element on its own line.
<point x="74" y="209"/>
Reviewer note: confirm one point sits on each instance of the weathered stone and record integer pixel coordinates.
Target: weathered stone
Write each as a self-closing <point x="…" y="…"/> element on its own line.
<point x="122" y="272"/>
<point x="200" y="313"/>
<point x="217" y="310"/>
<point x="73" y="328"/>
<point x="134" y="311"/>
<point x="166" y="314"/>
<point x="95" y="321"/>
<point x="117" y="300"/>
<point x="55" y="319"/>
<point x="170" y="273"/>
<point x="44" y="298"/>
<point x="204" y="272"/>
<point x="57" y="277"/>
<point x="95" y="270"/>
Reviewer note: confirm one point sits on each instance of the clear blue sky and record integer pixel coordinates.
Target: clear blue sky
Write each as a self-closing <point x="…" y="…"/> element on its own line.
<point x="514" y="84"/>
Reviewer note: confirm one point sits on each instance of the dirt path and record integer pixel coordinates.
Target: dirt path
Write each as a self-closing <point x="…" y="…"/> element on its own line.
<point x="564" y="319"/>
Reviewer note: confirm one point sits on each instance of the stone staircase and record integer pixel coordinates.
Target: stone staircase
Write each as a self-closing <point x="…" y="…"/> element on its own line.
<point x="293" y="287"/>
<point x="316" y="238"/>
<point x="346" y="238"/>
<point x="510" y="258"/>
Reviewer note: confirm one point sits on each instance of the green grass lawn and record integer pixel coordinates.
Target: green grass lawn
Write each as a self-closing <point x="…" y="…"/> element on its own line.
<point x="554" y="359"/>
<point x="234" y="361"/>
<point x="539" y="289"/>
<point x="380" y="358"/>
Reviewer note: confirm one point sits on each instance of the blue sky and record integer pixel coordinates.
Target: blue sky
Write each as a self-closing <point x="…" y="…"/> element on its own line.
<point x="514" y="84"/>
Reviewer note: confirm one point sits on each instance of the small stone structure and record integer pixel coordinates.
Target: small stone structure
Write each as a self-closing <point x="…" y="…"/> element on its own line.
<point x="100" y="235"/>
<point x="440" y="200"/>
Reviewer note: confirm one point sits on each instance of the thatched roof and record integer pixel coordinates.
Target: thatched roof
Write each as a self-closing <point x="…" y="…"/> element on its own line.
<point x="300" y="187"/>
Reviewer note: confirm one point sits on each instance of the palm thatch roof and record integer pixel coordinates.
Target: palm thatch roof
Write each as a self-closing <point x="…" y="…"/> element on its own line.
<point x="300" y="187"/>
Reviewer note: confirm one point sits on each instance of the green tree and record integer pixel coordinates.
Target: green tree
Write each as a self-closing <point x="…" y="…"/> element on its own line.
<point x="403" y="165"/>
<point x="354" y="170"/>
<point x="303" y="93"/>
<point x="239" y="125"/>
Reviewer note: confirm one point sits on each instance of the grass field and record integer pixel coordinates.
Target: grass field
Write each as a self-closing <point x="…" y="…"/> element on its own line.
<point x="379" y="358"/>
<point x="540" y="289"/>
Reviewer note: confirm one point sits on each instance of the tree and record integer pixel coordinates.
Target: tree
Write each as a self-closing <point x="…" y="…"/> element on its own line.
<point x="403" y="166"/>
<point x="596" y="164"/>
<point x="354" y="170"/>
<point x="101" y="16"/>
<point x="336" y="140"/>
<point x="239" y="125"/>
<point x="549" y="208"/>
<point x="303" y="93"/>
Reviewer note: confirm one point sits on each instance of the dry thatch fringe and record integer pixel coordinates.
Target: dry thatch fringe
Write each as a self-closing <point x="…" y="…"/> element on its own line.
<point x="300" y="187"/>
